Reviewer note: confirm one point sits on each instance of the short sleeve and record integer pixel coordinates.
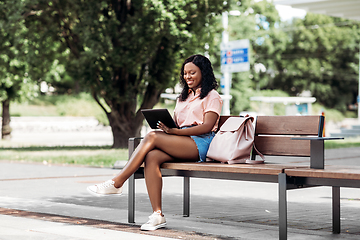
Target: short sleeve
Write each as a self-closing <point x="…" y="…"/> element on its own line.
<point x="214" y="103"/>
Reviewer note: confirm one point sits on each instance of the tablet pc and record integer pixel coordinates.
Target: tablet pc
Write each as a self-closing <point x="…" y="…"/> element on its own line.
<point x="152" y="116"/>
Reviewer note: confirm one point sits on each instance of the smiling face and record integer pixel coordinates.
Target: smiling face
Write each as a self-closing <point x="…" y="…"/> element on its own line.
<point x="192" y="75"/>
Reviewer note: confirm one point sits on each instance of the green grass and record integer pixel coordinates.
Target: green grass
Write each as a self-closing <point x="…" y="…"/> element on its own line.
<point x="345" y="143"/>
<point x="82" y="105"/>
<point x="89" y="156"/>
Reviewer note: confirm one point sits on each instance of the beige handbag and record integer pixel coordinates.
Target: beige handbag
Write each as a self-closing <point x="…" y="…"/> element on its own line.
<point x="234" y="141"/>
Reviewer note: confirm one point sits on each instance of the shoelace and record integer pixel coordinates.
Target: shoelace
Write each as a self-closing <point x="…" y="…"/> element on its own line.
<point x="106" y="184"/>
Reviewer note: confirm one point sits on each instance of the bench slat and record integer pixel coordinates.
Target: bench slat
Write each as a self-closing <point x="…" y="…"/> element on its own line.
<point x="282" y="146"/>
<point x="334" y="172"/>
<point x="287" y="125"/>
<point x="266" y="169"/>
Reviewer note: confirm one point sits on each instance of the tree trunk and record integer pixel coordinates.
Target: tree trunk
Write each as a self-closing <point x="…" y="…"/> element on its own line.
<point x="124" y="122"/>
<point x="125" y="119"/>
<point x="5" y="127"/>
<point x="123" y="129"/>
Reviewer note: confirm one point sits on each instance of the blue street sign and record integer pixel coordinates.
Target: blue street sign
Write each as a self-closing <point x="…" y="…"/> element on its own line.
<point x="235" y="56"/>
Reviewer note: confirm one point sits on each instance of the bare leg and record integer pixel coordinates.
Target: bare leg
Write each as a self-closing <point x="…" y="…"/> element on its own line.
<point x="176" y="146"/>
<point x="153" y="177"/>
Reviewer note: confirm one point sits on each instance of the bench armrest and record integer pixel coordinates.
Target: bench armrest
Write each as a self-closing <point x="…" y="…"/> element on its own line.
<point x="317" y="150"/>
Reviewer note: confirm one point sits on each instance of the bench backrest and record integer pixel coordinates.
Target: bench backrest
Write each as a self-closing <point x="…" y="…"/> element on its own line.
<point x="273" y="134"/>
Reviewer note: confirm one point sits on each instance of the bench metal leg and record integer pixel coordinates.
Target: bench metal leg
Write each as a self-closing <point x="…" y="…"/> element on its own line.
<point x="186" y="207"/>
<point x="336" y="209"/>
<point x="131" y="199"/>
<point x="317" y="154"/>
<point x="132" y="143"/>
<point x="282" y="207"/>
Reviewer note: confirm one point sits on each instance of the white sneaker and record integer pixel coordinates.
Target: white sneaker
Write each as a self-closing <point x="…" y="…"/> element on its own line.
<point x="156" y="220"/>
<point x="104" y="188"/>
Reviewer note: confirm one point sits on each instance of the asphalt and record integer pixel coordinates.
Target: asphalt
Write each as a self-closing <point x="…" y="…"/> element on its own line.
<point x="42" y="201"/>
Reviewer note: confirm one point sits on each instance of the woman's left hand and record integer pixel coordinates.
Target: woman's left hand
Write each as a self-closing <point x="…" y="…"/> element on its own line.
<point x="166" y="129"/>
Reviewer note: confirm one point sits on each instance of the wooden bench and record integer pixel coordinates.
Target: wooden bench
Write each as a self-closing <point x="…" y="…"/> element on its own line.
<point x="274" y="136"/>
<point x="332" y="176"/>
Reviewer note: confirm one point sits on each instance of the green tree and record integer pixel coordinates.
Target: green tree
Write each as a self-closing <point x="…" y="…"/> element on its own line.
<point x="125" y="52"/>
<point x="15" y="83"/>
<point x="257" y="22"/>
<point x="322" y="55"/>
<point x="318" y="53"/>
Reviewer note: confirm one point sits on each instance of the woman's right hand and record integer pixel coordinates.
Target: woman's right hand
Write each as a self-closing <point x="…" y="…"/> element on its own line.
<point x="166" y="129"/>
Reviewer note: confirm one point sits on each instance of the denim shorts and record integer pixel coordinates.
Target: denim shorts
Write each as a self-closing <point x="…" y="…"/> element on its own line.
<point x="202" y="143"/>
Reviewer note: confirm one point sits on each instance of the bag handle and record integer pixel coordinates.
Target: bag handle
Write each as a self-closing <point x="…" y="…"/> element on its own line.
<point x="256" y="161"/>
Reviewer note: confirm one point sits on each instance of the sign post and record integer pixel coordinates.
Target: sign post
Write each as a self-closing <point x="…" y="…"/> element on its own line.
<point x="234" y="58"/>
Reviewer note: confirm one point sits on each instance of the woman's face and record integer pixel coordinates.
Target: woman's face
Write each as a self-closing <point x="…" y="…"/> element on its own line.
<point x="192" y="75"/>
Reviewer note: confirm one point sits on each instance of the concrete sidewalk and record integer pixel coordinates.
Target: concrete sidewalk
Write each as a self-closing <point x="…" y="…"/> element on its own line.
<point x="40" y="201"/>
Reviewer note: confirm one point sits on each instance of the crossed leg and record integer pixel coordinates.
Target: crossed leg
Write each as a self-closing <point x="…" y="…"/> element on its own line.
<point x="156" y="148"/>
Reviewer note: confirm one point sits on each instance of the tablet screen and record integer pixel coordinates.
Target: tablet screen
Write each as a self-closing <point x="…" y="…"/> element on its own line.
<point x="152" y="116"/>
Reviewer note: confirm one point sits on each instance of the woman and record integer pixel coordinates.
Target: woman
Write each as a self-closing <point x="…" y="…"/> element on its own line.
<point x="197" y="114"/>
